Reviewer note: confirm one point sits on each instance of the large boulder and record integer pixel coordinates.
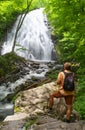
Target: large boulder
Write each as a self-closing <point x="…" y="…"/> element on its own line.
<point x="36" y="100"/>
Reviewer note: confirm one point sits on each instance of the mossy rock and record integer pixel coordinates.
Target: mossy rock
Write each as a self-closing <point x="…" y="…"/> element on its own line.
<point x="8" y="63"/>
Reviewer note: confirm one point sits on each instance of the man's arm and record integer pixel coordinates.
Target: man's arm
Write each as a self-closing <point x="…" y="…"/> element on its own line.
<point x="60" y="80"/>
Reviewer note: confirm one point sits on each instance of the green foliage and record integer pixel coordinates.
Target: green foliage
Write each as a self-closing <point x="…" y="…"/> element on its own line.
<point x="17" y="109"/>
<point x="52" y="74"/>
<point x="67" y="18"/>
<point x="80" y="97"/>
<point x="16" y="96"/>
<point x="38" y="4"/>
<point x="30" y="122"/>
<point x="80" y="54"/>
<point x="9" y="10"/>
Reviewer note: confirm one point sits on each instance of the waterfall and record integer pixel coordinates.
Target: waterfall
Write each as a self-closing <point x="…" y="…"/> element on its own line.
<point x="33" y="40"/>
<point x="33" y="43"/>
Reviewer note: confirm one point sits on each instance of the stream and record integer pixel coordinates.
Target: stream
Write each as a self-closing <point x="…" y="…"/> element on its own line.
<point x="34" y="43"/>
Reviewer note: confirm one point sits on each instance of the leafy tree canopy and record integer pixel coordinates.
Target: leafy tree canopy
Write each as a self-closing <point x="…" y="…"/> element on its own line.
<point x="10" y="9"/>
<point x="68" y="20"/>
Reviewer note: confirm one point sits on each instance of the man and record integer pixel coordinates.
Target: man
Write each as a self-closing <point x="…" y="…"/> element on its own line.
<point x="68" y="95"/>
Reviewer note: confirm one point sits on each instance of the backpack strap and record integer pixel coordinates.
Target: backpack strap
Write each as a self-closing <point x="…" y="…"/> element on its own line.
<point x="65" y="73"/>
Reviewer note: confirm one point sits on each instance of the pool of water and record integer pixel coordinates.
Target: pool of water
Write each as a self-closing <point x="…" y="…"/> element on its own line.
<point x="6" y="109"/>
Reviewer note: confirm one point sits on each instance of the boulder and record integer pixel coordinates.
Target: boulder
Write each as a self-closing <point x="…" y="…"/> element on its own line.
<point x="36" y="101"/>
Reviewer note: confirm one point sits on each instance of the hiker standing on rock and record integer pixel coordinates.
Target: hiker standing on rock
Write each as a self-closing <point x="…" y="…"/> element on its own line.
<point x="66" y="89"/>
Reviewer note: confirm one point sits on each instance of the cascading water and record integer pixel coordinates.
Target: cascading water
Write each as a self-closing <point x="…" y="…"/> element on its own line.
<point x="34" y="43"/>
<point x="33" y="40"/>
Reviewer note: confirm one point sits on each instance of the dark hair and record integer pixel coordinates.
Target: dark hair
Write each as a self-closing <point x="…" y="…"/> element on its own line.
<point x="67" y="66"/>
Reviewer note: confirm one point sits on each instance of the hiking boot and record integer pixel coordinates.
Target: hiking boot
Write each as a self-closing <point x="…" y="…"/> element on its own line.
<point x="50" y="111"/>
<point x="66" y="120"/>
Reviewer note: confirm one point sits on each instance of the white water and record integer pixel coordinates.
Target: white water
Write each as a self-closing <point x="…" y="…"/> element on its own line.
<point x="11" y="87"/>
<point x="33" y="37"/>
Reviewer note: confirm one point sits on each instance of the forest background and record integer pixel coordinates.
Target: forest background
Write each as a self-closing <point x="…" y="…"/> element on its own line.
<point x="67" y="21"/>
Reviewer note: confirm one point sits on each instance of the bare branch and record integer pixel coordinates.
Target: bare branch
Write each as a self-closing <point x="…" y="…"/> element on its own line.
<point x="20" y="22"/>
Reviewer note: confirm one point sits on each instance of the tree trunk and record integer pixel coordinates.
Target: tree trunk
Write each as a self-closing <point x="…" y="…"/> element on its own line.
<point x="20" y="22"/>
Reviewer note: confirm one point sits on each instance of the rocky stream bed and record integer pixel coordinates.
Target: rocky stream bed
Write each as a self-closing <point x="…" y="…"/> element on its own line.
<point x="30" y="109"/>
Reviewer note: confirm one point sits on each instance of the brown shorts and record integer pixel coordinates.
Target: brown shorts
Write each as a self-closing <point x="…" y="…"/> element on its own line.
<point x="69" y="99"/>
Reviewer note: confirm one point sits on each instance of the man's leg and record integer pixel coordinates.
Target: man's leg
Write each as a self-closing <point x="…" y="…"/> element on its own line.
<point x="52" y="96"/>
<point x="68" y="112"/>
<point x="69" y="103"/>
